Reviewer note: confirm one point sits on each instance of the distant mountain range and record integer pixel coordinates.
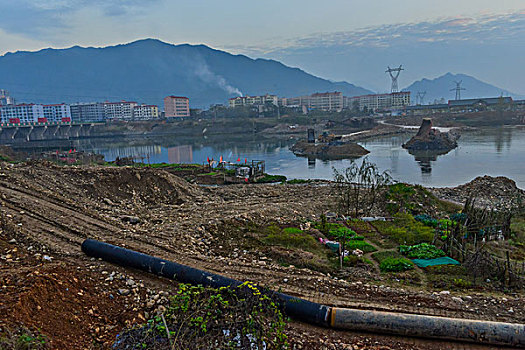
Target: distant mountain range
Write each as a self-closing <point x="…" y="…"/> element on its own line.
<point x="148" y="70"/>
<point x="440" y="87"/>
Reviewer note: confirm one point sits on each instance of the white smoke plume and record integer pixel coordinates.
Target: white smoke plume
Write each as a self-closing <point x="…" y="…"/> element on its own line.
<point x="203" y="71"/>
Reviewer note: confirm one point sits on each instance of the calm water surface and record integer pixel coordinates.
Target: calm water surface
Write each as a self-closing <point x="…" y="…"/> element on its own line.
<point x="494" y="151"/>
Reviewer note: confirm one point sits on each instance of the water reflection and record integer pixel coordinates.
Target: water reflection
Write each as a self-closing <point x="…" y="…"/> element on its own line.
<point x="425" y="159"/>
<point x="496" y="151"/>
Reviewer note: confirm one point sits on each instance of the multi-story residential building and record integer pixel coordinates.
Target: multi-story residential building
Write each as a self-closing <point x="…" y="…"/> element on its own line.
<point x="176" y="107"/>
<point x="5" y="98"/>
<point x="325" y="101"/>
<point x="56" y="113"/>
<point x="88" y="112"/>
<point x="23" y="113"/>
<point x="253" y="100"/>
<point x="145" y="112"/>
<point x="122" y="110"/>
<point x="380" y="102"/>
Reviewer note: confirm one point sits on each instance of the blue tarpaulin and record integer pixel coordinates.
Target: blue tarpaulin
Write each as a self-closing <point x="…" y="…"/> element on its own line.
<point x="434" y="262"/>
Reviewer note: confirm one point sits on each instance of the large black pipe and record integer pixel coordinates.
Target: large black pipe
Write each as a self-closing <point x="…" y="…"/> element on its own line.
<point x="495" y="333"/>
<point x="294" y="307"/>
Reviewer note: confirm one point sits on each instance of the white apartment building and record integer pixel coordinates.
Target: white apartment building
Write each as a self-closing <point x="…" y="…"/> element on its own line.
<point x="253" y="100"/>
<point x="87" y="112"/>
<point x="57" y="113"/>
<point x="325" y="101"/>
<point x="122" y="110"/>
<point x="23" y="113"/>
<point x="380" y="102"/>
<point x="145" y="112"/>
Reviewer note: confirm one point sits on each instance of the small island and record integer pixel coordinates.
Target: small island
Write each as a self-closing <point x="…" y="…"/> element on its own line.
<point x="429" y="139"/>
<point x="334" y="149"/>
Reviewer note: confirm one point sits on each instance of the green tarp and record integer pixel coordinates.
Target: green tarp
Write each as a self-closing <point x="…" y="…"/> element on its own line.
<point x="433" y="262"/>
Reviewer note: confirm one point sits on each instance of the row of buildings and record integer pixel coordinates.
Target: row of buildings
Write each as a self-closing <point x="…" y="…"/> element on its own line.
<point x="330" y="101"/>
<point x="12" y="113"/>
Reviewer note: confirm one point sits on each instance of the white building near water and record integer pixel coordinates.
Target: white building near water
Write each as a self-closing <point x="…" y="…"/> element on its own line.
<point x="122" y="110"/>
<point x="395" y="100"/>
<point x="57" y="113"/>
<point x="23" y="113"/>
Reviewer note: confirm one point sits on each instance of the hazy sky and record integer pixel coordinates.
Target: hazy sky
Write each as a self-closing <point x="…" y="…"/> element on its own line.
<point x="257" y="28"/>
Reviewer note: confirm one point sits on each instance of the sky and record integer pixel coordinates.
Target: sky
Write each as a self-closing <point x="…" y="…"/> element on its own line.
<point x="352" y="40"/>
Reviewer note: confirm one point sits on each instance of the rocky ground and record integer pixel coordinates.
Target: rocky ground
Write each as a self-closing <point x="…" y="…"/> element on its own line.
<point x="47" y="283"/>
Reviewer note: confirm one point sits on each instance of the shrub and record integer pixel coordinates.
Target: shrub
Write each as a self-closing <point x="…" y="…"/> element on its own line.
<point x="271" y="179"/>
<point x="421" y="251"/>
<point x="426" y="220"/>
<point x="396" y="265"/>
<point x="241" y="317"/>
<point x="461" y="283"/>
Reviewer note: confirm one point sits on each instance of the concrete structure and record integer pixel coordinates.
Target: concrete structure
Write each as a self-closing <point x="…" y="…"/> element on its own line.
<point x="88" y="112"/>
<point x="380" y="102"/>
<point x="122" y="110"/>
<point x="479" y="104"/>
<point x="5" y="98"/>
<point x="23" y="113"/>
<point x="56" y="113"/>
<point x="145" y="112"/>
<point x="253" y="100"/>
<point x="176" y="107"/>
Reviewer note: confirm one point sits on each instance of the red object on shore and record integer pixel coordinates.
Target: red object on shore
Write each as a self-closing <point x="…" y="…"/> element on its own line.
<point x="239" y="159"/>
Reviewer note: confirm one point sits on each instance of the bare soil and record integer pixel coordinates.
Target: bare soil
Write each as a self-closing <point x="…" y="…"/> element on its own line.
<point x="47" y="283"/>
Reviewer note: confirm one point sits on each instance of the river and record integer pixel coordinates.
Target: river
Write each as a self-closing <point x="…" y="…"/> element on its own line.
<point x="491" y="151"/>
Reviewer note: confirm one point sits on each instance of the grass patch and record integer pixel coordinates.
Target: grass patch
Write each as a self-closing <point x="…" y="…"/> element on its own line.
<point x="396" y="265"/>
<point x="290" y="237"/>
<point x="22" y="339"/>
<point x="387" y="254"/>
<point x="448" y="277"/>
<point x="365" y="247"/>
<point x="405" y="230"/>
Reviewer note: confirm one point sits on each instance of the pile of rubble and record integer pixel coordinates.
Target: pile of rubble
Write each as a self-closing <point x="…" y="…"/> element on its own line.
<point x="499" y="193"/>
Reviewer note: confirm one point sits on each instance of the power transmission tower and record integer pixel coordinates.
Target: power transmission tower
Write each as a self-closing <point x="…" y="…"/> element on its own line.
<point x="394" y="74"/>
<point x="458" y="89"/>
<point x="420" y="96"/>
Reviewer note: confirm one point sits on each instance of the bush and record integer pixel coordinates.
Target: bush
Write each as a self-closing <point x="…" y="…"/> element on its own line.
<point x="461" y="283"/>
<point x="208" y="318"/>
<point x="22" y="339"/>
<point x="396" y="265"/>
<point x="421" y="251"/>
<point x="426" y="220"/>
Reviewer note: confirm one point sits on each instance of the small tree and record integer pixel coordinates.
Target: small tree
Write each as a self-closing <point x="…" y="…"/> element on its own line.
<point x="343" y="235"/>
<point x="359" y="188"/>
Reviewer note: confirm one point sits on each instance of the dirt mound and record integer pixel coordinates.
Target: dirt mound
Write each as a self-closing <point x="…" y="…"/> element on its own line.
<point x="130" y="184"/>
<point x="429" y="139"/>
<point x="491" y="192"/>
<point x="142" y="186"/>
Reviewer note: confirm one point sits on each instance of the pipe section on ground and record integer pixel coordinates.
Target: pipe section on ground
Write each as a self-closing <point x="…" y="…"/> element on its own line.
<point x="294" y="307"/>
<point x="484" y="332"/>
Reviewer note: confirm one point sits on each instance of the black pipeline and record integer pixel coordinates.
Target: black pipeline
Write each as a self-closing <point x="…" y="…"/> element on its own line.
<point x="484" y="332"/>
<point x="294" y="307"/>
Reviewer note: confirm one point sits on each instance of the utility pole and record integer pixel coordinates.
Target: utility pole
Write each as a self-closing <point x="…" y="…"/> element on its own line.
<point x="420" y="96"/>
<point x="394" y="74"/>
<point x="458" y="89"/>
